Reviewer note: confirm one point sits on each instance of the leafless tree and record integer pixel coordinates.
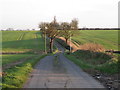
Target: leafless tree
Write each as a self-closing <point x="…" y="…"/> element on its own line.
<point x="69" y="29"/>
<point x="74" y="24"/>
<point x="51" y="30"/>
<point x="65" y="32"/>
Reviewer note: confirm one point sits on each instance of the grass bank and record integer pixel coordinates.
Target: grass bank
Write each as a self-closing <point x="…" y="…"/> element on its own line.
<point x="6" y="59"/>
<point x="16" y="76"/>
<point x="94" y="61"/>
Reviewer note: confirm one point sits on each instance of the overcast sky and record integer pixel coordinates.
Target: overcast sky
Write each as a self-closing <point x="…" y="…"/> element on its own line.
<point x="27" y="14"/>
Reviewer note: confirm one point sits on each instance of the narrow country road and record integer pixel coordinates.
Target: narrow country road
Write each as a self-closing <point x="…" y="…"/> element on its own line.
<point x="59" y="72"/>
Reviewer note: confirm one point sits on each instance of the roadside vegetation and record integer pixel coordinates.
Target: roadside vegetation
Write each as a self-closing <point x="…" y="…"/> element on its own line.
<point x="16" y="76"/>
<point x="94" y="62"/>
<point x="92" y="56"/>
<point x="6" y="59"/>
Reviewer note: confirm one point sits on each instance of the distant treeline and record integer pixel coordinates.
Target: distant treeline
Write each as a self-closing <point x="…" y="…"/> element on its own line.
<point x="19" y="30"/>
<point x="99" y="29"/>
<point x="78" y="29"/>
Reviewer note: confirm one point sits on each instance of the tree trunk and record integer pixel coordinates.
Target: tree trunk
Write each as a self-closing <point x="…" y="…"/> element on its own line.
<point x="51" y="45"/>
<point x="66" y="40"/>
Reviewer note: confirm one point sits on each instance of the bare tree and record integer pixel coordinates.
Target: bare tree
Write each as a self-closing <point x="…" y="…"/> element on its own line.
<point x="74" y="24"/>
<point x="65" y="26"/>
<point x="43" y="27"/>
<point x="51" y="30"/>
<point x="69" y="29"/>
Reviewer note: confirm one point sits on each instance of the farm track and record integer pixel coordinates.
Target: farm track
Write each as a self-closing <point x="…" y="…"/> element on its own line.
<point x="16" y="62"/>
<point x="10" y="53"/>
<point x="21" y="36"/>
<point x="35" y="36"/>
<point x="36" y="41"/>
<point x="49" y="73"/>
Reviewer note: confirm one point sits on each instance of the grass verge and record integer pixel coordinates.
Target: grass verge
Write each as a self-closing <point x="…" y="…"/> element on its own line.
<point x="6" y="59"/>
<point x="16" y="76"/>
<point x="90" y="62"/>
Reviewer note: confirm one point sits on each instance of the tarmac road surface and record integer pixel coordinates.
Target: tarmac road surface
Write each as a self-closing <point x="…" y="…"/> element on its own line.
<point x="58" y="72"/>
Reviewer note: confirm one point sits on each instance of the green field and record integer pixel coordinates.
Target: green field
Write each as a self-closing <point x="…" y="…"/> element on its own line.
<point x="6" y="59"/>
<point x="90" y="60"/>
<point x="101" y="61"/>
<point x="107" y="38"/>
<point x="29" y="49"/>
<point x="31" y="44"/>
<point x="17" y="75"/>
<point x="22" y="41"/>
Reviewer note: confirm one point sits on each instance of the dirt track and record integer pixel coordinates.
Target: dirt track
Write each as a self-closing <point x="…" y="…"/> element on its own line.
<point x="59" y="73"/>
<point x="15" y="63"/>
